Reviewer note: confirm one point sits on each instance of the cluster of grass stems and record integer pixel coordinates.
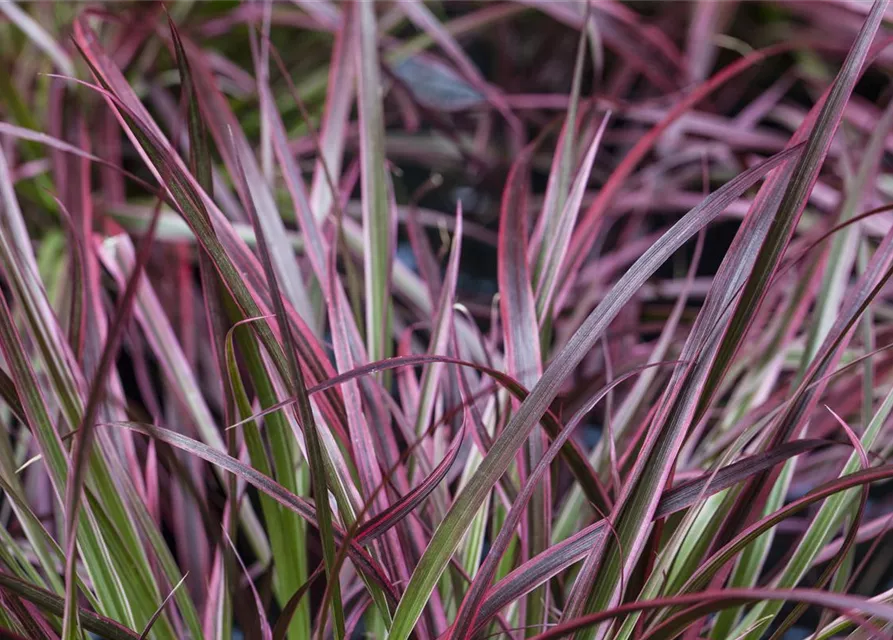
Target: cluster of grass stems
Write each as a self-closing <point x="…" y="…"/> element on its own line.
<point x="446" y="320"/>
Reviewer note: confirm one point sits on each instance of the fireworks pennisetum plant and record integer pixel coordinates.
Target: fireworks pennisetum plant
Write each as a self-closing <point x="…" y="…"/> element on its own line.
<point x="396" y="319"/>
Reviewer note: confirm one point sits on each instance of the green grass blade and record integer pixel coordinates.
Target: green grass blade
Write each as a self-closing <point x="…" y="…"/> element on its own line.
<point x="378" y="226"/>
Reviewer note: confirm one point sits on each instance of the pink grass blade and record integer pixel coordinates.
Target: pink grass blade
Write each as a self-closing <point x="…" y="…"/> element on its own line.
<point x="523" y="357"/>
<point x="316" y="244"/>
<point x="556" y="244"/>
<point x="23" y="616"/>
<point x="21" y="133"/>
<point x="365" y="450"/>
<point x="340" y="91"/>
<point x="426" y="262"/>
<point x="708" y="20"/>
<point x="560" y="177"/>
<point x="441" y="331"/>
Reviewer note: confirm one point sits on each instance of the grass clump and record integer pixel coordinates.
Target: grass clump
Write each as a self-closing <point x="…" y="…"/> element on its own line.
<point x="445" y="320"/>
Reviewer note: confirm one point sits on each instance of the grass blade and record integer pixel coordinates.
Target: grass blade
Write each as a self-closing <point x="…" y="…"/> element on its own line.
<point x="315" y="455"/>
<point x="378" y="227"/>
<point x="524" y="361"/>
